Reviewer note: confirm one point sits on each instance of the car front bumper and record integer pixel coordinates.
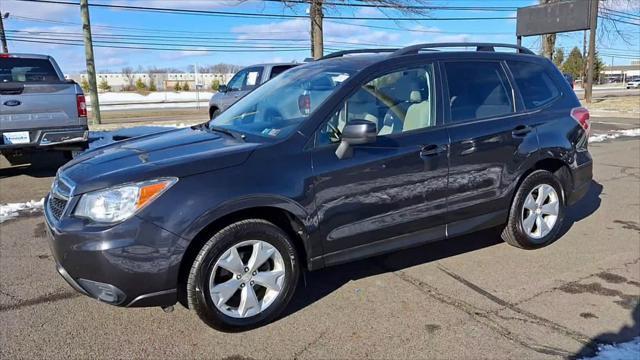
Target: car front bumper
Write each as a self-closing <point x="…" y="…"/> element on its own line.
<point x="134" y="263"/>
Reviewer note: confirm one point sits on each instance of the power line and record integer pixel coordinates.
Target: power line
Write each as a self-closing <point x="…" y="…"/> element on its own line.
<point x="75" y="43"/>
<point x="261" y="15"/>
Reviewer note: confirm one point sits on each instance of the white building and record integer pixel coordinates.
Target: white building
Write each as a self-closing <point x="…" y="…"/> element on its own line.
<point x="162" y="81"/>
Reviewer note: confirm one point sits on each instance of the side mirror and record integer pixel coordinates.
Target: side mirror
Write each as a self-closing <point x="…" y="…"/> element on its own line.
<point x="356" y="132"/>
<point x="223" y="88"/>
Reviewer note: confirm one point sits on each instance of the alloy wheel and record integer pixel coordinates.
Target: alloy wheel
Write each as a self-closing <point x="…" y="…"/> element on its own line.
<point x="540" y="211"/>
<point x="247" y="279"/>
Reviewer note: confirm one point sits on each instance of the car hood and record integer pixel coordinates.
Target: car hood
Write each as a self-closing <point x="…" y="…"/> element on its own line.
<point x="176" y="153"/>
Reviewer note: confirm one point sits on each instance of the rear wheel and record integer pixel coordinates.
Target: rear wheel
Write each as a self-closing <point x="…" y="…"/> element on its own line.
<point x="537" y="212"/>
<point x="244" y="276"/>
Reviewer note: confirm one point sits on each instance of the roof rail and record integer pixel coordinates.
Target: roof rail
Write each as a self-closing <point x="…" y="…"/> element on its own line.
<point x="357" y="51"/>
<point x="414" y="49"/>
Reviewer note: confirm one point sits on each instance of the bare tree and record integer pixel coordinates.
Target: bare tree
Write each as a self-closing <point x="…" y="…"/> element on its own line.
<point x="128" y="74"/>
<point x="317" y="9"/>
<point x="548" y="40"/>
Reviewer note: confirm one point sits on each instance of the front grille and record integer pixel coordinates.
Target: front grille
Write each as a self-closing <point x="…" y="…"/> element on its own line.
<point x="56" y="206"/>
<point x="59" y="197"/>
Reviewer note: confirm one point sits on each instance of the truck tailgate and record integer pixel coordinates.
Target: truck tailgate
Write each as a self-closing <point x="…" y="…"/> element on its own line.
<point x="48" y="105"/>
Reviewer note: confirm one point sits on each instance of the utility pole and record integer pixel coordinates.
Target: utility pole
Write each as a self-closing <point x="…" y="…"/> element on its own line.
<point x="593" y="22"/>
<point x="584" y="54"/>
<point x="91" y="66"/>
<point x="3" y="35"/>
<point x="316" y="16"/>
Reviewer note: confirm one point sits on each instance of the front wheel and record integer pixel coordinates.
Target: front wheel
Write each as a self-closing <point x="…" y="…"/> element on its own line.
<point x="244" y="276"/>
<point x="537" y="212"/>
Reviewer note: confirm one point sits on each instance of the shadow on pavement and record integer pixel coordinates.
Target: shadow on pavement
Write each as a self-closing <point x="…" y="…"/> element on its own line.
<point x="318" y="284"/>
<point x="43" y="164"/>
<point x="583" y="208"/>
<point x="625" y="334"/>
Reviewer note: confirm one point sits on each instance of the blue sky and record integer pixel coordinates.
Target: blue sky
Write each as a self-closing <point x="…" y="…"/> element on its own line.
<point x="199" y="31"/>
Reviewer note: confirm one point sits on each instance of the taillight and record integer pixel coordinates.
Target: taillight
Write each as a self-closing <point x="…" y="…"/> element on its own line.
<point x="82" y="106"/>
<point x="5" y="56"/>
<point x="581" y="115"/>
<point x="304" y="104"/>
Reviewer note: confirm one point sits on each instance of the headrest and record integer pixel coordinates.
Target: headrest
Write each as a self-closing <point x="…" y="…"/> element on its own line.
<point x="415" y="96"/>
<point x="371" y="118"/>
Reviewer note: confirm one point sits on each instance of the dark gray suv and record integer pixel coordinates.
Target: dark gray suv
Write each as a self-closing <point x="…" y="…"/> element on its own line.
<point x="339" y="159"/>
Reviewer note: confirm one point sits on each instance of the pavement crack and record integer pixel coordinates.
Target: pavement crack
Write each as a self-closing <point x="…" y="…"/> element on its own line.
<point x="481" y="316"/>
<point x="581" y="338"/>
<point x="309" y="345"/>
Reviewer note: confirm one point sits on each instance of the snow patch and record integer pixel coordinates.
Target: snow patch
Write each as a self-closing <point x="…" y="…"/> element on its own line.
<point x="614" y="135"/>
<point x="12" y="210"/>
<point x="623" y="351"/>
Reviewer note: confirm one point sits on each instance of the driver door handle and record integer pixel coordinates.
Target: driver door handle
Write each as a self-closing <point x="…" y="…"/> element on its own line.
<point x="432" y="150"/>
<point x="521" y="130"/>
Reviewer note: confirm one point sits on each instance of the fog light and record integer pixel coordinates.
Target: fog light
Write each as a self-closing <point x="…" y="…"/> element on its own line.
<point x="103" y="292"/>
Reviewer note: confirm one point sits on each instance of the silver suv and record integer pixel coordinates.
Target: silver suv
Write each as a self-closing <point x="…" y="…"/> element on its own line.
<point x="242" y="83"/>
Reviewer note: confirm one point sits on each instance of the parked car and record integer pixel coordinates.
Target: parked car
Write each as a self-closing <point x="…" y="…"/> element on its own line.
<point x="380" y="152"/>
<point x="243" y="82"/>
<point x="569" y="79"/>
<point x="39" y="109"/>
<point x="633" y="84"/>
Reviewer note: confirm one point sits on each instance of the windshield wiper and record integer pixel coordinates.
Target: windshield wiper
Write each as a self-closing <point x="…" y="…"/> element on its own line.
<point x="234" y="134"/>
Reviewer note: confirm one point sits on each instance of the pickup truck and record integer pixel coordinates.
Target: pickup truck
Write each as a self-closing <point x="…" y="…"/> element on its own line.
<point x="39" y="108"/>
<point x="242" y="83"/>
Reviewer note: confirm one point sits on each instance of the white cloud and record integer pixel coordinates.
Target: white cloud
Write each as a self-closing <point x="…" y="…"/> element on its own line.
<point x="39" y="10"/>
<point x="176" y="55"/>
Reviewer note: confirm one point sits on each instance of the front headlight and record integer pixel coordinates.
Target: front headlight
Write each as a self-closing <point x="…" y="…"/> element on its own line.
<point x="121" y="202"/>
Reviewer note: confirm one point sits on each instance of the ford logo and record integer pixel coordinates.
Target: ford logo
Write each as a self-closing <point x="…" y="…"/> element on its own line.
<point x="12" y="103"/>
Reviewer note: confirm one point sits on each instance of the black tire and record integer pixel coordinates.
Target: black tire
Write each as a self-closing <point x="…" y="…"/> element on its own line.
<point x="513" y="233"/>
<point x="198" y="296"/>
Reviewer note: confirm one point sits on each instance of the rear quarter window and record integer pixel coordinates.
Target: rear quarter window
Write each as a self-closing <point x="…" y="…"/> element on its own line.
<point x="26" y="70"/>
<point x="536" y="86"/>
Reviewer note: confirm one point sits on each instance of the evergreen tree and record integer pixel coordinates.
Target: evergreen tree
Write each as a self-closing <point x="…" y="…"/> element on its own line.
<point x="140" y="85"/>
<point x="215" y="85"/>
<point x="177" y="87"/>
<point x="153" y="87"/>
<point x="84" y="84"/>
<point x="104" y="85"/>
<point x="186" y="86"/>
<point x="558" y="57"/>
<point x="574" y="63"/>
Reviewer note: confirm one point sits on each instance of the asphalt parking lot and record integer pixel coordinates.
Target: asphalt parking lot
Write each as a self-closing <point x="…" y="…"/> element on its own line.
<point x="469" y="297"/>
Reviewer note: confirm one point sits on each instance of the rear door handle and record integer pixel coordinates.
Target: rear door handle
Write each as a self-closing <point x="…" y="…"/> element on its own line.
<point x="521" y="130"/>
<point x="468" y="147"/>
<point x="433" y="149"/>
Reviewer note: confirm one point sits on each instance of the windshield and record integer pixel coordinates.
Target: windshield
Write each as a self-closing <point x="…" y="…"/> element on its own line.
<point x="276" y="108"/>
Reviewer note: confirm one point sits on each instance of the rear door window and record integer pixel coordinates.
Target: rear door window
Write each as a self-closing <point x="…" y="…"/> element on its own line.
<point x="26" y="70"/>
<point x="478" y="90"/>
<point x="534" y="83"/>
<point x="277" y="70"/>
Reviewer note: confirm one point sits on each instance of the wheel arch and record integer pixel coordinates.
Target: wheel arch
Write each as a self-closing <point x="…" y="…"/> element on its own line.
<point x="286" y="215"/>
<point x="555" y="166"/>
<point x="212" y="109"/>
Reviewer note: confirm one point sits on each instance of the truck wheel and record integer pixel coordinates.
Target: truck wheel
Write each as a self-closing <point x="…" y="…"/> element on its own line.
<point x="244" y="276"/>
<point x="537" y="212"/>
